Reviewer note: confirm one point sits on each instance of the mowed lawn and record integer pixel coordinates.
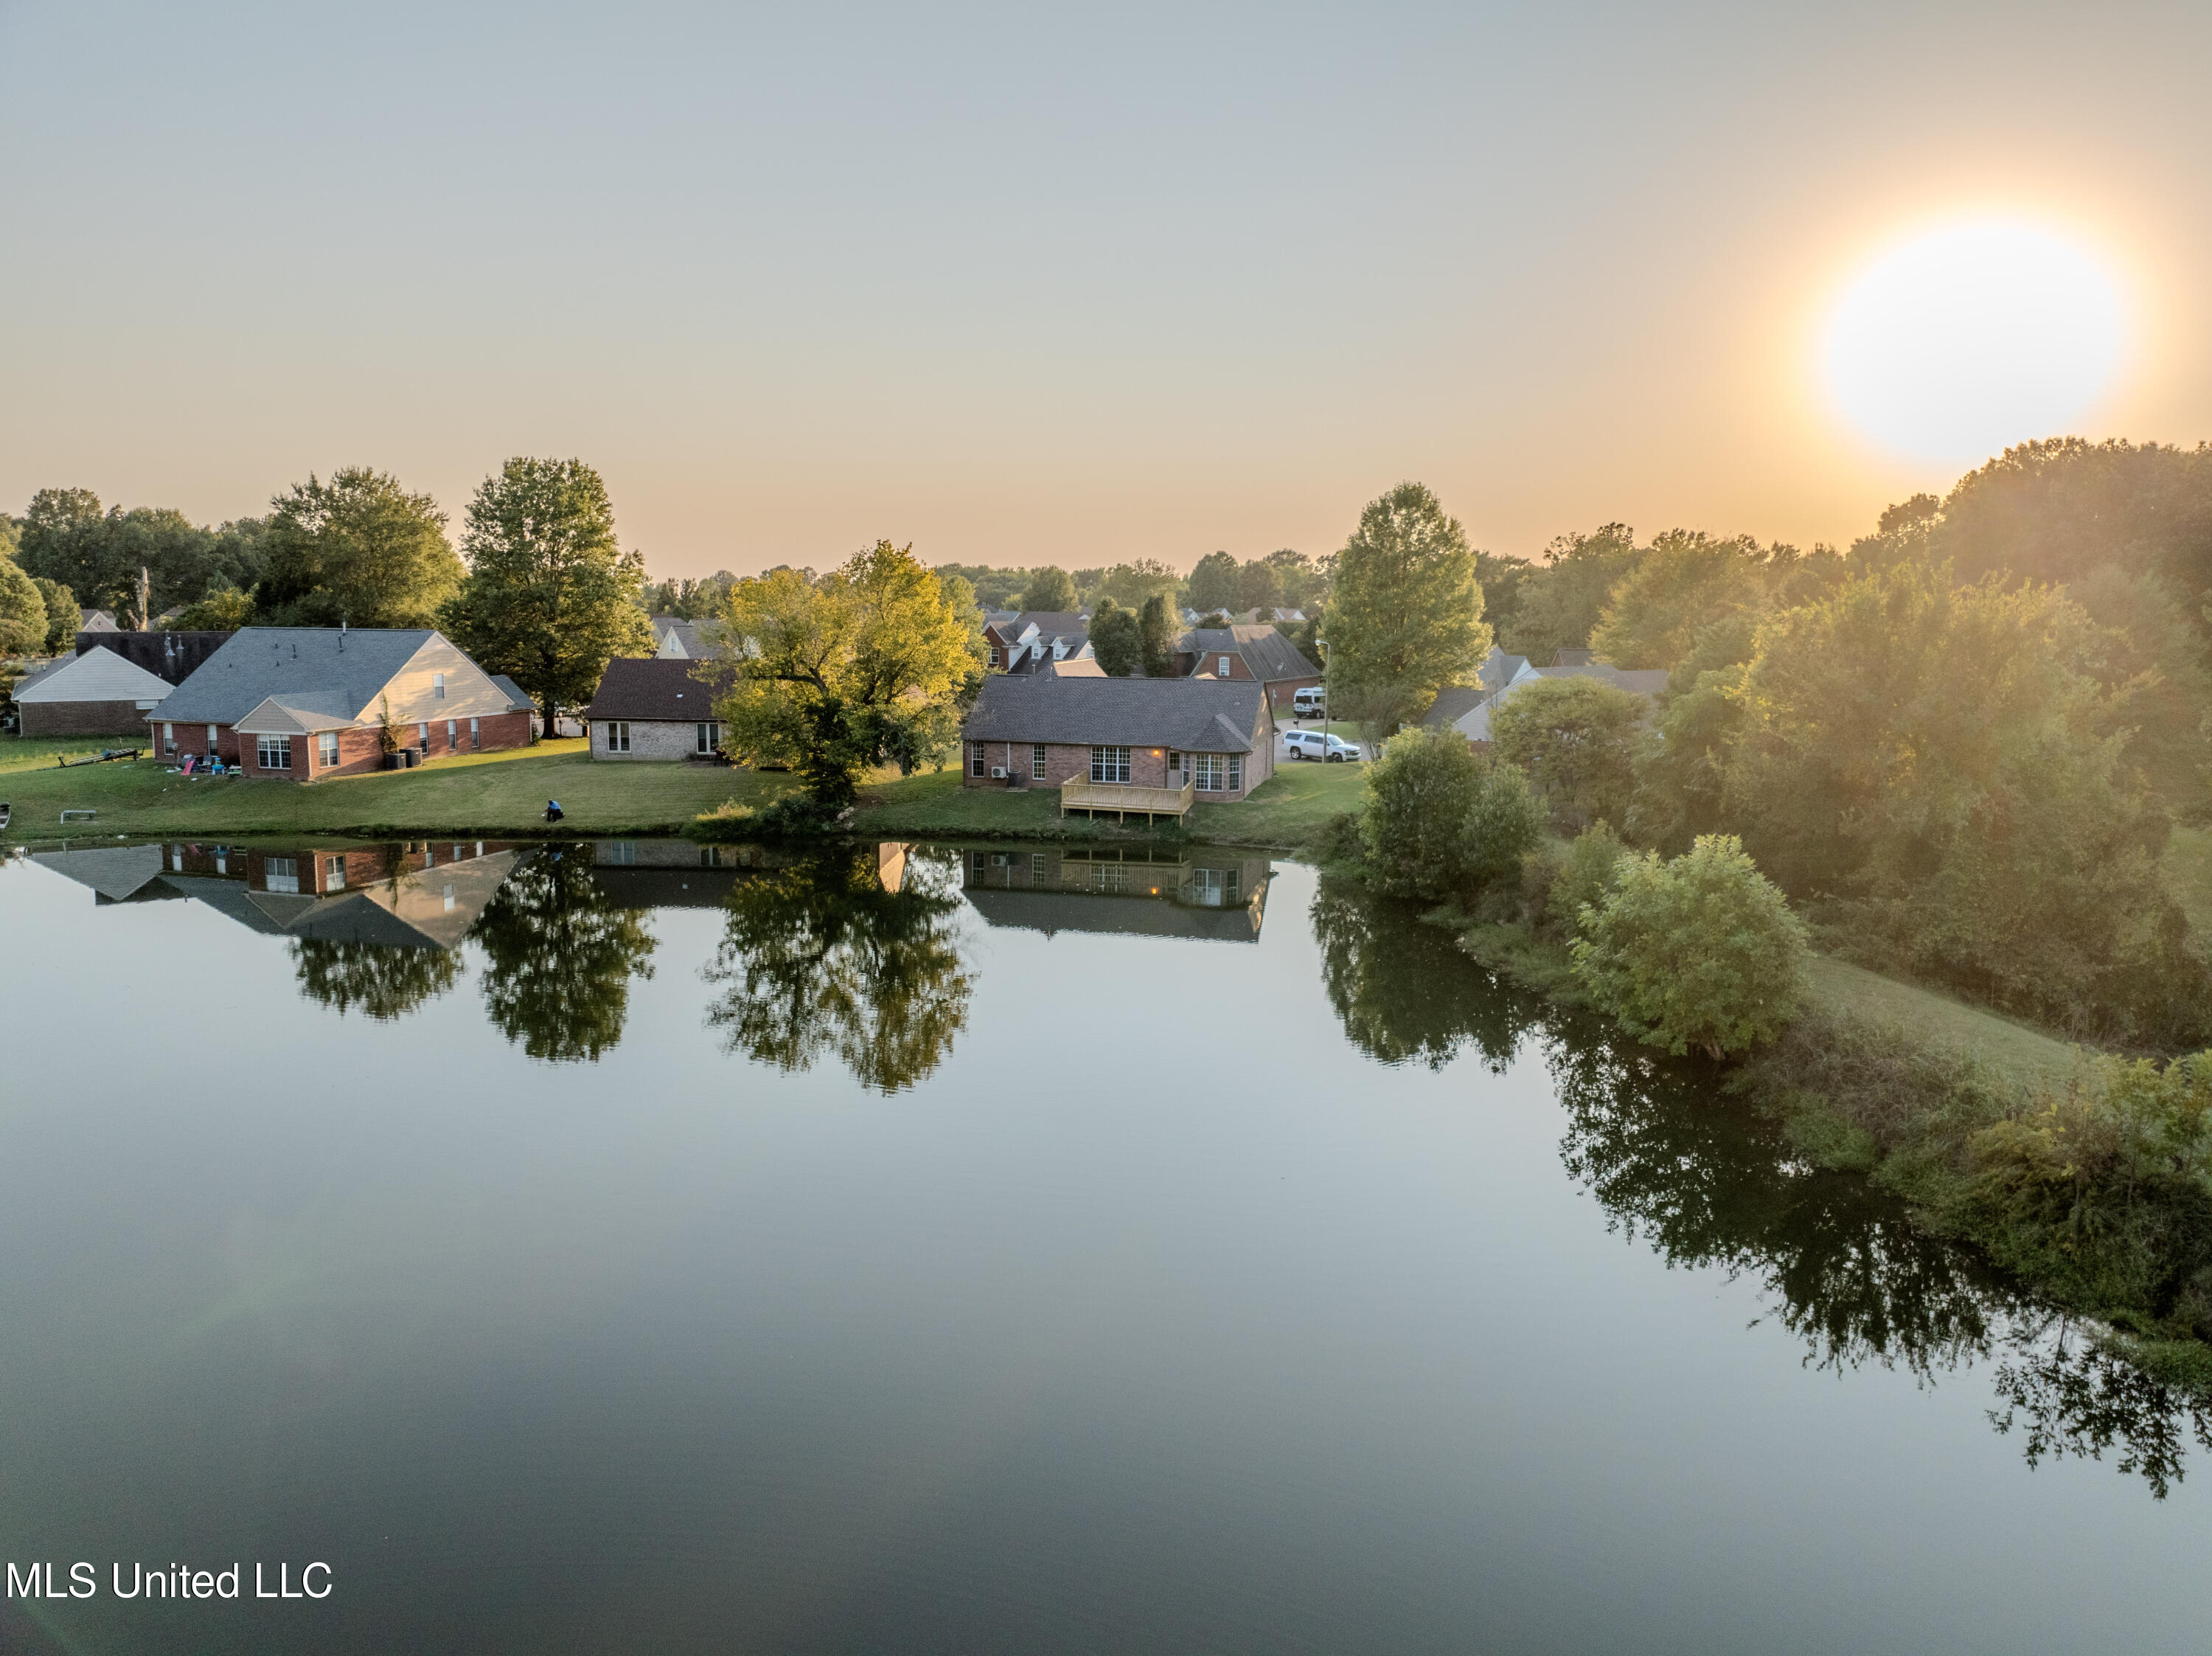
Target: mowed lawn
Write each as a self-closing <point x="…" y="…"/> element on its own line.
<point x="500" y="793"/>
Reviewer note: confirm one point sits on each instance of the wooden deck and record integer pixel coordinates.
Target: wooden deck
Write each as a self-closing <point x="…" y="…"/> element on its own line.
<point x="1125" y="800"/>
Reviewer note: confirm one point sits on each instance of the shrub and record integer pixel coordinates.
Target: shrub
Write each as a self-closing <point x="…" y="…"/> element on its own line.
<point x="1584" y="876"/>
<point x="1702" y="952"/>
<point x="1505" y="823"/>
<point x="1576" y="740"/>
<point x="1415" y="808"/>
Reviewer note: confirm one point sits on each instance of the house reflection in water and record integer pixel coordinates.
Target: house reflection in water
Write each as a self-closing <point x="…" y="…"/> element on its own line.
<point x="1192" y="892"/>
<point x="414" y="893"/>
<point x="675" y="873"/>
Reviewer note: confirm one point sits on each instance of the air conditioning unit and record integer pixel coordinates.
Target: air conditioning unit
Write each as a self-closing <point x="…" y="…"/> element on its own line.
<point x="998" y="772"/>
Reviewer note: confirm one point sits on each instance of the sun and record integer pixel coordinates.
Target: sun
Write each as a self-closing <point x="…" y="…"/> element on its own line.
<point x="1959" y="342"/>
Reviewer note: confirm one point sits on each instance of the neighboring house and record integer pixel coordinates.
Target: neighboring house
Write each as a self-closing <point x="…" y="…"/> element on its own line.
<point x="1466" y="708"/>
<point x="653" y="709"/>
<point x="1216" y="895"/>
<point x="1273" y="617"/>
<point x="99" y="693"/>
<point x="175" y="656"/>
<point x="678" y="639"/>
<point x="1259" y="654"/>
<point x="168" y="618"/>
<point x="96" y="620"/>
<point x="1022" y="641"/>
<point x="1038" y="732"/>
<point x="303" y="702"/>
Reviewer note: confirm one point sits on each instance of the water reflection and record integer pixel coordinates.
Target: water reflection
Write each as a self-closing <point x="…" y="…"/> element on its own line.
<point x="847" y="952"/>
<point x="559" y="955"/>
<point x="382" y="982"/>
<point x="1214" y="895"/>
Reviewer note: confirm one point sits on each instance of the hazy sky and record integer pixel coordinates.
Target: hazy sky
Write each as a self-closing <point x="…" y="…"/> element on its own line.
<point x="1022" y="284"/>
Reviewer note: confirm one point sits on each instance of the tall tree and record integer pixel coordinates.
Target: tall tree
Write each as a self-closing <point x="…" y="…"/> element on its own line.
<point x="1562" y="600"/>
<point x="863" y="666"/>
<point x="61" y="614"/>
<point x="359" y="549"/>
<point x="1407" y="616"/>
<point x="550" y="597"/>
<point x="65" y="540"/>
<point x="1213" y="582"/>
<point x="1155" y="637"/>
<point x="1682" y="580"/>
<point x="1117" y="639"/>
<point x="1050" y="590"/>
<point x="1130" y="584"/>
<point x="23" y="612"/>
<point x="1259" y="586"/>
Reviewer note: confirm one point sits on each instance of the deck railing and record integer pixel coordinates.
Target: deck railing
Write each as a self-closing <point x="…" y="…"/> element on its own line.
<point x="1123" y="797"/>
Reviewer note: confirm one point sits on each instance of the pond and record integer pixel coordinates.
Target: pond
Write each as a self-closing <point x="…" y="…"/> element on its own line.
<point x="634" y="1245"/>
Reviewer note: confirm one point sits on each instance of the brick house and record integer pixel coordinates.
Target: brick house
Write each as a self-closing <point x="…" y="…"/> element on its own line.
<point x="307" y="702"/>
<point x="1259" y="654"/>
<point x="658" y="708"/>
<point x="96" y="694"/>
<point x="1022" y="641"/>
<point x="1039" y="730"/>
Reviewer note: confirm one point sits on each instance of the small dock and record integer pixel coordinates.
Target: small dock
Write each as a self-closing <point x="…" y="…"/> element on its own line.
<point x="1124" y="800"/>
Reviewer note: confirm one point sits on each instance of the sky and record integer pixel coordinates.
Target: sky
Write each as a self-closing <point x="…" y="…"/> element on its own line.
<point x="1030" y="284"/>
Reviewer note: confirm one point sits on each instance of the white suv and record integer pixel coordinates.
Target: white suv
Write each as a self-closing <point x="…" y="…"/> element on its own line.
<point x="1312" y="744"/>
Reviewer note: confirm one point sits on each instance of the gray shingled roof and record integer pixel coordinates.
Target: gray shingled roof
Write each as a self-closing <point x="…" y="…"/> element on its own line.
<point x="518" y="698"/>
<point x="342" y="672"/>
<point x="1194" y="715"/>
<point x="1271" y="657"/>
<point x="665" y="688"/>
<point x="1453" y="703"/>
<point x="1498" y="670"/>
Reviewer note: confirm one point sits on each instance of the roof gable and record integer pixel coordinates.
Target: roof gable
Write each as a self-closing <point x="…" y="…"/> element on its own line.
<point x="668" y="689"/>
<point x="96" y="675"/>
<point x="1194" y="715"/>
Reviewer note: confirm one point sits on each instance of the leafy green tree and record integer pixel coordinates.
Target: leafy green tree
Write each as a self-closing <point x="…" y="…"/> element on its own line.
<point x="384" y="982"/>
<point x="70" y="539"/>
<point x="1562" y="599"/>
<point x="1117" y="639"/>
<point x="62" y="611"/>
<point x="1681" y="778"/>
<point x="1936" y="762"/>
<point x="225" y="610"/>
<point x="358" y="549"/>
<point x="1683" y="580"/>
<point x="65" y="540"/>
<point x="864" y="666"/>
<point x="1585" y="877"/>
<point x="1505" y="824"/>
<point x="23" y="612"/>
<point x="818" y="959"/>
<point x="550" y="597"/>
<point x="1213" y="583"/>
<point x="1502" y="579"/>
<point x="1050" y="591"/>
<point x="2149" y="659"/>
<point x="1577" y="739"/>
<point x="1155" y="635"/>
<point x="559" y="955"/>
<point x="1130" y="584"/>
<point x="1407" y="616"/>
<point x="1699" y="953"/>
<point x="1305" y="581"/>
<point x="1259" y="586"/>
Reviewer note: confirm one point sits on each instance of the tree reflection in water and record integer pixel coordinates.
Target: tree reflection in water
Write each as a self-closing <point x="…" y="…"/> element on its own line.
<point x="558" y="957"/>
<point x="1405" y="990"/>
<point x="819" y="958"/>
<point x="384" y="981"/>
<point x="1707" y="1179"/>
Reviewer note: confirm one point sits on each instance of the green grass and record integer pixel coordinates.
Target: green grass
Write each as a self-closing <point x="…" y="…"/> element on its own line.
<point x="1286" y="810"/>
<point x="502" y="793"/>
<point x="2017" y="1052"/>
<point x="20" y="752"/>
<point x="2189" y="875"/>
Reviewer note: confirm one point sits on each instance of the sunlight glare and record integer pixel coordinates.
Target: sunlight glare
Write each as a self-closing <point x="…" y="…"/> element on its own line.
<point x="1967" y="339"/>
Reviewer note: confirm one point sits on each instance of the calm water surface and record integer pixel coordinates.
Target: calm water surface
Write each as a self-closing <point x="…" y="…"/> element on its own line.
<point x="968" y="1249"/>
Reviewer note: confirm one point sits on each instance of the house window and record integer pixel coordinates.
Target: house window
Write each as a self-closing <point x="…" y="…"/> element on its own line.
<point x="1209" y="772"/>
<point x="1224" y="668"/>
<point x="274" y="752"/>
<point x="475" y="733"/>
<point x="423" y="735"/>
<point x="169" y="738"/>
<point x="326" y="748"/>
<point x="997" y="659"/>
<point x="1036" y="867"/>
<point x="437" y="686"/>
<point x="334" y="877"/>
<point x="449" y="897"/>
<point x="280" y="873"/>
<point x="1110" y="764"/>
<point x="211" y="729"/>
<point x="978" y="764"/>
<point x="1037" y="762"/>
<point x="623" y="853"/>
<point x="710" y="736"/>
<point x="451" y="743"/>
<point x="1235" y="773"/>
<point x="617" y="737"/>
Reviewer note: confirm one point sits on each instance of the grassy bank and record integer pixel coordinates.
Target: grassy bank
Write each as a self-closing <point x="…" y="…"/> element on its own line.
<point x="505" y="793"/>
<point x="492" y="793"/>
